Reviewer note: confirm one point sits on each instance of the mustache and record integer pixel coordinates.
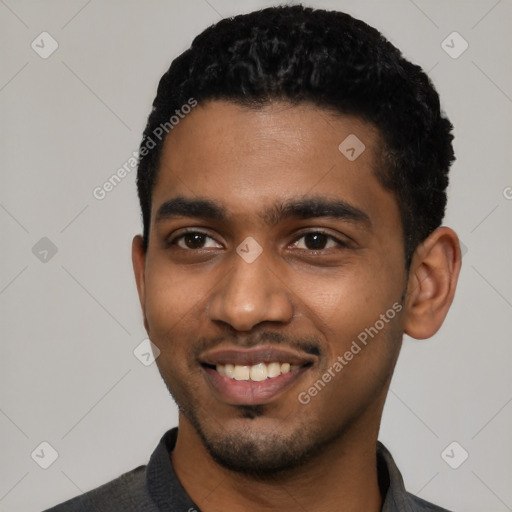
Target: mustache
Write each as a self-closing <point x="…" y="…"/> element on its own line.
<point x="308" y="344"/>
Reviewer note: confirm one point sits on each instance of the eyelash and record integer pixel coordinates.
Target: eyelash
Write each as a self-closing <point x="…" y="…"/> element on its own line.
<point x="330" y="237"/>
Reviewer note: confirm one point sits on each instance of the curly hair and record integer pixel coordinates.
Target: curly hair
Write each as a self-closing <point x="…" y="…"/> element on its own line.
<point x="332" y="60"/>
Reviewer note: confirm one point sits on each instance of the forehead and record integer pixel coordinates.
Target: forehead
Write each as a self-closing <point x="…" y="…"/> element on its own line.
<point x="247" y="158"/>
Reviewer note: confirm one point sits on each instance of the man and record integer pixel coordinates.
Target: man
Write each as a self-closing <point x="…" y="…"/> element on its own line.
<point x="292" y="182"/>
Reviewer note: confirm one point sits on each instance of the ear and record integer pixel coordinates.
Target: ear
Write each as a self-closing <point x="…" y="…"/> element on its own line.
<point x="431" y="284"/>
<point x="139" y="269"/>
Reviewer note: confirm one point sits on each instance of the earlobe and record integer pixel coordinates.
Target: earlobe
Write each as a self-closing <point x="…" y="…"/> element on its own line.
<point x="432" y="281"/>
<point x="139" y="270"/>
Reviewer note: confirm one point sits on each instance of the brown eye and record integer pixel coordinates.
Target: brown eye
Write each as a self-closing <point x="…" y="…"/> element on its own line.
<point x="317" y="241"/>
<point x="195" y="240"/>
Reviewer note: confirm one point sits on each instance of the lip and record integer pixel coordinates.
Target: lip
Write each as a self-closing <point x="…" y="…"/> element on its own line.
<point x="247" y="392"/>
<point x="235" y="392"/>
<point x="255" y="355"/>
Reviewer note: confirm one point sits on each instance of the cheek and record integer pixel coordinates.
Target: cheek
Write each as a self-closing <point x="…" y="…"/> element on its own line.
<point x="351" y="299"/>
<point x="173" y="297"/>
<point x="173" y="304"/>
<point x="346" y="309"/>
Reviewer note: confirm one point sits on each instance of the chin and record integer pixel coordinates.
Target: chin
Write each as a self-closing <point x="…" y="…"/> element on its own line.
<point x="260" y="447"/>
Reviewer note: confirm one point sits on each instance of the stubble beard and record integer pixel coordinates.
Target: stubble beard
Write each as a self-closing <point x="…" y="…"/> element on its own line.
<point x="251" y="451"/>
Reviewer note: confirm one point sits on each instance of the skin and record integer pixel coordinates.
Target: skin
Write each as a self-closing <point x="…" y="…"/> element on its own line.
<point x="197" y="294"/>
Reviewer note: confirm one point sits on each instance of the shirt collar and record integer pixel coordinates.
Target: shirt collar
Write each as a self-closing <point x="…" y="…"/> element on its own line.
<point x="396" y="498"/>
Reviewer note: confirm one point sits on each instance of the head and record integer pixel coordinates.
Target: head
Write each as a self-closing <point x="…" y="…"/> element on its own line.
<point x="292" y="181"/>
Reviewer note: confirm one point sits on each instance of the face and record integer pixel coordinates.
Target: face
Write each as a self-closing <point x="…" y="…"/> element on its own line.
<point x="272" y="282"/>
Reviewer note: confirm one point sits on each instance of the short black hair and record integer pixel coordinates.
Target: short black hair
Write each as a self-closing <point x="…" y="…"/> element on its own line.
<point x="326" y="58"/>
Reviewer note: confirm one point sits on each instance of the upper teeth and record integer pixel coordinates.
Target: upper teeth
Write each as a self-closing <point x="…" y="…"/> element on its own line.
<point x="256" y="372"/>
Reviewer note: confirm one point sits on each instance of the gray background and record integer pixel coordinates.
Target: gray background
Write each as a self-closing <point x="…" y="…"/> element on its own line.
<point x="71" y="322"/>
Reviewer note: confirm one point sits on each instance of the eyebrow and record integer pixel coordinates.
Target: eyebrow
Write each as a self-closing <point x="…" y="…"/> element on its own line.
<point x="313" y="207"/>
<point x="301" y="208"/>
<point x="183" y="207"/>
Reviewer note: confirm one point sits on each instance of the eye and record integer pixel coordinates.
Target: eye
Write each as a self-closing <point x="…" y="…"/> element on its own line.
<point x="318" y="241"/>
<point x="194" y="240"/>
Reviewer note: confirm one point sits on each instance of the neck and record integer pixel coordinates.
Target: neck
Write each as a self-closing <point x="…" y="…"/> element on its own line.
<point x="341" y="478"/>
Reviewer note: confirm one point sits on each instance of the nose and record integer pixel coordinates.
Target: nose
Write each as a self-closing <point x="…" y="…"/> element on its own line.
<point x="249" y="294"/>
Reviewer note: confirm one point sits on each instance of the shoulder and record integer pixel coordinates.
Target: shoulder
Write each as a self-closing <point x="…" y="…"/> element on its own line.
<point x="418" y="505"/>
<point x="125" y="493"/>
<point x="397" y="499"/>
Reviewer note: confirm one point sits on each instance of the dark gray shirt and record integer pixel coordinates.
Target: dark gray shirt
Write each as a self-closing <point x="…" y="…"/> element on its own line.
<point x="156" y="488"/>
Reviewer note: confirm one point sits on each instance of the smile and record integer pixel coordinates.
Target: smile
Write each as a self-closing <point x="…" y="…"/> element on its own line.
<point x="253" y="376"/>
<point x="257" y="372"/>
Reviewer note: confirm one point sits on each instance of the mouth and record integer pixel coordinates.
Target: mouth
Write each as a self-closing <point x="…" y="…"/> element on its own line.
<point x="253" y="376"/>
